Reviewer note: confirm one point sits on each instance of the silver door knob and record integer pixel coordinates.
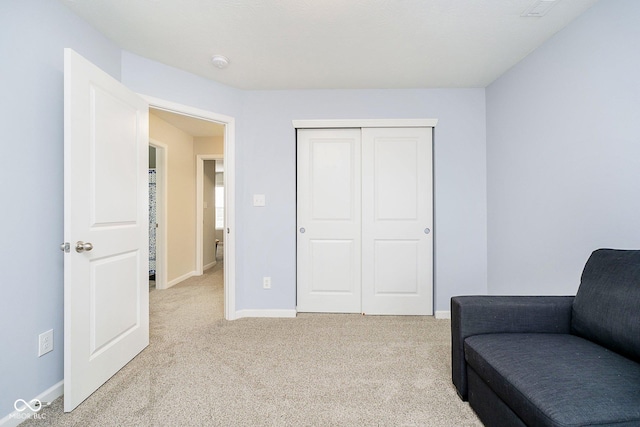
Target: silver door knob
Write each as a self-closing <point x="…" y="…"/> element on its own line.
<point x="427" y="231"/>
<point x="302" y="230"/>
<point x="81" y="246"/>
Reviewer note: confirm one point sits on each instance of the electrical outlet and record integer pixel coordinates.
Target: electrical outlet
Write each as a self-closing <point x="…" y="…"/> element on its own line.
<point x="45" y="342"/>
<point x="266" y="282"/>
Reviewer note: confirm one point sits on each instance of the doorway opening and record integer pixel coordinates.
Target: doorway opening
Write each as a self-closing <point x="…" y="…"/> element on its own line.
<point x="157" y="215"/>
<point x="210" y="224"/>
<point x="225" y="250"/>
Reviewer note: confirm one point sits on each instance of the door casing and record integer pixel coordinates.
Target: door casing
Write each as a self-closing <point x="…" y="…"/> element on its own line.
<point x="229" y="215"/>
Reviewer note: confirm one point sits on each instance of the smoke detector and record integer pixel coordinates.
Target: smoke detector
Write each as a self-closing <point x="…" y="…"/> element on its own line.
<point x="220" y="61"/>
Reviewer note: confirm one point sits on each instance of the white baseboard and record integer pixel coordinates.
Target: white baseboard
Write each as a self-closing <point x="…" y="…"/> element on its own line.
<point x="265" y="313"/>
<point x="210" y="265"/>
<point x="443" y="314"/>
<point x="17" y="417"/>
<point x="181" y="279"/>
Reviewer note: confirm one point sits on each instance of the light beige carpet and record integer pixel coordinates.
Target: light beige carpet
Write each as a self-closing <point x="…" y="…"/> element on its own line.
<point x="314" y="370"/>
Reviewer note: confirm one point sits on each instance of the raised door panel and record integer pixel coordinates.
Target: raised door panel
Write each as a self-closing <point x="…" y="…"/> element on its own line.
<point x="396" y="178"/>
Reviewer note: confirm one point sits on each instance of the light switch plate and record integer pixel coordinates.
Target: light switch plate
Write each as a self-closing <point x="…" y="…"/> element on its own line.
<point x="45" y="342"/>
<point x="259" y="200"/>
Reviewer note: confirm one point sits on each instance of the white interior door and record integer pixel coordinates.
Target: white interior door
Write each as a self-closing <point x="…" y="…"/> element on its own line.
<point x="397" y="220"/>
<point x="106" y="297"/>
<point x="328" y="221"/>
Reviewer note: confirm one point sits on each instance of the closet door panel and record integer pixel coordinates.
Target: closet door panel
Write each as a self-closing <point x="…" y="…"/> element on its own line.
<point x="329" y="221"/>
<point x="397" y="267"/>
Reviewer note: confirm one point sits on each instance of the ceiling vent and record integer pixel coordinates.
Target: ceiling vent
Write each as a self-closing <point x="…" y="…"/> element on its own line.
<point x="539" y="8"/>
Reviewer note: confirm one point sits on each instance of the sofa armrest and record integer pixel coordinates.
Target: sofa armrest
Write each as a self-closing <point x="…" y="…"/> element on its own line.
<point x="475" y="315"/>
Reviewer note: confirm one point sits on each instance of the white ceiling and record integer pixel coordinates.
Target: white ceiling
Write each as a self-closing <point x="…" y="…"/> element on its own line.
<point x="190" y="125"/>
<point x="332" y="44"/>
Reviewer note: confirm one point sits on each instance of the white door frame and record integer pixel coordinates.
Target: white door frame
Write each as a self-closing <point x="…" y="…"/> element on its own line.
<point x="229" y="194"/>
<point x="162" y="156"/>
<point x="364" y="123"/>
<point x="200" y="158"/>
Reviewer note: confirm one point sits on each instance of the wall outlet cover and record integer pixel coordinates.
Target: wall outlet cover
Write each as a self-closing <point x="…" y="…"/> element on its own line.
<point x="45" y="342"/>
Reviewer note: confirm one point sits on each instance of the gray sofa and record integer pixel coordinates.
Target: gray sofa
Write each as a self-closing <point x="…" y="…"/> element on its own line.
<point x="556" y="360"/>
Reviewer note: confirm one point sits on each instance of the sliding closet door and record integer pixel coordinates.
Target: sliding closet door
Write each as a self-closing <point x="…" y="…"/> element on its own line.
<point x="397" y="220"/>
<point x="364" y="221"/>
<point x="328" y="221"/>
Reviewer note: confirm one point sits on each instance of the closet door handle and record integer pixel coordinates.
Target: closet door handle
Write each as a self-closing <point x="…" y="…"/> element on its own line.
<point x="302" y="230"/>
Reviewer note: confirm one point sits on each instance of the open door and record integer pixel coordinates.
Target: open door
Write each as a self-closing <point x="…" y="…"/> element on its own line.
<point x="106" y="298"/>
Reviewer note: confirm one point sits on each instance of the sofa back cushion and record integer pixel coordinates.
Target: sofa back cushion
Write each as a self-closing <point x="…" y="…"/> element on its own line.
<point x="606" y="309"/>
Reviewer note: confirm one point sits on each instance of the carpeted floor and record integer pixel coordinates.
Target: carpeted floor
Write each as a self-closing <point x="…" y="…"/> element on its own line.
<point x="314" y="370"/>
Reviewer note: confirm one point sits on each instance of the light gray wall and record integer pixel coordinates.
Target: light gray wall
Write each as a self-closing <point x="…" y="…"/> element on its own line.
<point x="265" y="164"/>
<point x="151" y="78"/>
<point x="267" y="158"/>
<point x="563" y="153"/>
<point x="33" y="34"/>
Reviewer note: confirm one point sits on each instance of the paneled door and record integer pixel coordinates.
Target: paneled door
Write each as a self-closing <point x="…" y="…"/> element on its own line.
<point x="106" y="202"/>
<point x="364" y="220"/>
<point x="397" y="219"/>
<point x="328" y="220"/>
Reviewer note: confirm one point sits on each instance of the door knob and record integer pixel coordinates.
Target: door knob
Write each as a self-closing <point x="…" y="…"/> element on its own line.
<point x="427" y="231"/>
<point x="302" y="230"/>
<point x="81" y="246"/>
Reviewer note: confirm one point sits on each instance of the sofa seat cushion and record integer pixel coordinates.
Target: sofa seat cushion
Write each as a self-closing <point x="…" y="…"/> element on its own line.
<point x="558" y="379"/>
